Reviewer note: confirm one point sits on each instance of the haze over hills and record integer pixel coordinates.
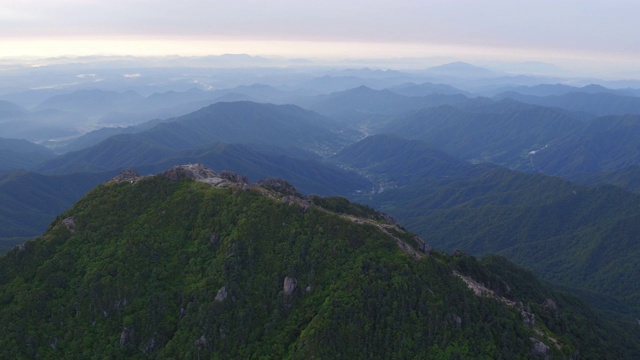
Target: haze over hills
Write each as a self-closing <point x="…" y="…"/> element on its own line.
<point x="21" y="154"/>
<point x="424" y="89"/>
<point x="480" y="161"/>
<point x="543" y="90"/>
<point x="502" y="133"/>
<point x="239" y="122"/>
<point x="467" y="173"/>
<point x="9" y="109"/>
<point x="604" y="144"/>
<point x="391" y="158"/>
<point x="90" y="101"/>
<point x="599" y="104"/>
<point x="626" y="178"/>
<point x="365" y="106"/>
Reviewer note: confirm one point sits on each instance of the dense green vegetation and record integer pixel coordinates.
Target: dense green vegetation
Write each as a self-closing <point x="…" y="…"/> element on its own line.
<point x="179" y="269"/>
<point x="576" y="236"/>
<point x="30" y="201"/>
<point x="167" y="269"/>
<point x="582" y="238"/>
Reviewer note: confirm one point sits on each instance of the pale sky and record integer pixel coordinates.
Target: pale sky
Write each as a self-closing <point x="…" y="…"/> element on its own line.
<point x="604" y="32"/>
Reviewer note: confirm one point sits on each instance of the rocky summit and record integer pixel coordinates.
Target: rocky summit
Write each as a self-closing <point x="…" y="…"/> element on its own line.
<point x="194" y="264"/>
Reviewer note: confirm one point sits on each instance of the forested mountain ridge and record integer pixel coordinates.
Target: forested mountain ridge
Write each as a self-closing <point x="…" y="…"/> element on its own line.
<point x="603" y="144"/>
<point x="30" y="201"/>
<point x="599" y="104"/>
<point x="164" y="266"/>
<point x="236" y="122"/>
<point x="569" y="234"/>
<point x="21" y="154"/>
<point x="502" y="133"/>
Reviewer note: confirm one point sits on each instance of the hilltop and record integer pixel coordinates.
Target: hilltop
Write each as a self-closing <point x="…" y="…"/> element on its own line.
<point x="192" y="263"/>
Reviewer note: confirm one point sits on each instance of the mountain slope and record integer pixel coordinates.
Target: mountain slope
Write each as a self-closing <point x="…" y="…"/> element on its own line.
<point x="308" y="174"/>
<point x="167" y="267"/>
<point x="357" y="105"/>
<point x="627" y="178"/>
<point x="238" y="122"/>
<point x="568" y="234"/>
<point x="151" y="153"/>
<point x="93" y="101"/>
<point x="391" y="158"/>
<point x="603" y="144"/>
<point x="424" y="89"/>
<point x="30" y="201"/>
<point x="599" y="104"/>
<point x="9" y="109"/>
<point x="21" y="154"/>
<point x="502" y="133"/>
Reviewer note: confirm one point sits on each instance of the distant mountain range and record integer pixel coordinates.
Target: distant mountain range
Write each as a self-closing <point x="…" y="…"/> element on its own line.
<point x="604" y="144"/>
<point x="363" y="105"/>
<point x="502" y="133"/>
<point x="544" y="175"/>
<point x="562" y="89"/>
<point x="21" y="154"/>
<point x="599" y="104"/>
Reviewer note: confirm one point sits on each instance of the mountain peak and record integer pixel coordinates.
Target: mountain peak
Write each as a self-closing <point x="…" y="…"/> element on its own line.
<point x="164" y="267"/>
<point x="126" y="175"/>
<point x="200" y="173"/>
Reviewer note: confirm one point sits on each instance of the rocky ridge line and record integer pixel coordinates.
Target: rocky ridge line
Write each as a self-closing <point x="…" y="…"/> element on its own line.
<point x="279" y="190"/>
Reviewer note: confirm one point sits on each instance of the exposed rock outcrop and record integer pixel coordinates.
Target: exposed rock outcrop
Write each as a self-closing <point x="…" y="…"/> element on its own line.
<point x="213" y="239"/>
<point x="151" y="344"/>
<point x="539" y="348"/>
<point x="201" y="342"/>
<point x="280" y="186"/>
<point x="528" y="317"/>
<point x="126" y="175"/>
<point x="222" y="294"/>
<point x="200" y="173"/>
<point x="233" y="177"/>
<point x="550" y="306"/>
<point x="423" y="246"/>
<point x="70" y="224"/>
<point x="190" y="171"/>
<point x="124" y="335"/>
<point x="290" y="284"/>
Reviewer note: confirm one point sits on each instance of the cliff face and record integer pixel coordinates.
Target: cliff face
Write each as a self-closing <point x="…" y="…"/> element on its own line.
<point x="168" y="267"/>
